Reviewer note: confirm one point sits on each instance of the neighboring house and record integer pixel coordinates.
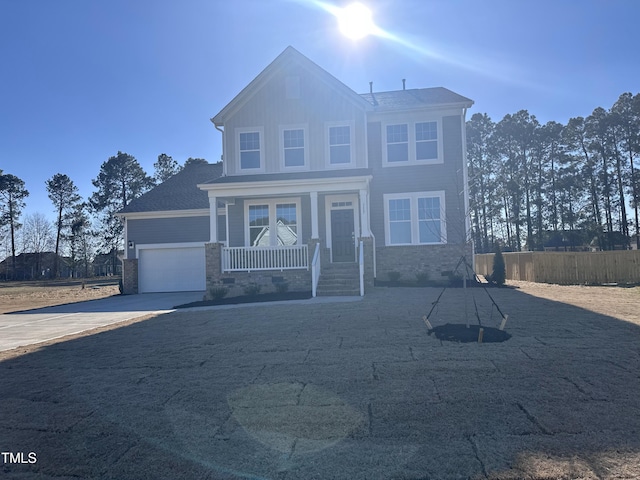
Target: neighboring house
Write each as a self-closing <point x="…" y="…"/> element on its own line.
<point x="105" y="265"/>
<point x="34" y="266"/>
<point x="320" y="187"/>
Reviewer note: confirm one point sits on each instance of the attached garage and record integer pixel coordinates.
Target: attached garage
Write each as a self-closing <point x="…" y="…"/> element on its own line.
<point x="171" y="269"/>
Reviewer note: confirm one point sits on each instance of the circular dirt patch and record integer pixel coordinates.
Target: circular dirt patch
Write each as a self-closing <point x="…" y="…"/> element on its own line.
<point x="458" y="332"/>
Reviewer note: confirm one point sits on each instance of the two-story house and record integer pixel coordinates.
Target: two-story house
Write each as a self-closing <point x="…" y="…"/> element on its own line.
<point x="320" y="187"/>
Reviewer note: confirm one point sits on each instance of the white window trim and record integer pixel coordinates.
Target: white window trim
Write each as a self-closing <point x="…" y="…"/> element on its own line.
<point x="352" y="152"/>
<point x="260" y="131"/>
<point x="305" y="130"/>
<point x="411" y="127"/>
<point x="271" y="202"/>
<point x="415" y="229"/>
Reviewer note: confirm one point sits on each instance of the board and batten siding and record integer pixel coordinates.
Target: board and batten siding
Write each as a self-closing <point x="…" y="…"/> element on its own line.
<point x="270" y="109"/>
<point x="171" y="230"/>
<point x="446" y="176"/>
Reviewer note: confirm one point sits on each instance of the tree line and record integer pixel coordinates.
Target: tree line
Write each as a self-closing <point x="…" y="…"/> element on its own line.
<point x="556" y="186"/>
<point x="83" y="228"/>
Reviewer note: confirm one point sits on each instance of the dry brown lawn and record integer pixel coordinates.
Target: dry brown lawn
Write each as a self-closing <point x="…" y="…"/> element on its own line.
<point x="341" y="390"/>
<point x="18" y="296"/>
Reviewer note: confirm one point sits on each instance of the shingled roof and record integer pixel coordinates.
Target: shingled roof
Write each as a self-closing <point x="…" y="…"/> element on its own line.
<point x="414" y="98"/>
<point x="179" y="192"/>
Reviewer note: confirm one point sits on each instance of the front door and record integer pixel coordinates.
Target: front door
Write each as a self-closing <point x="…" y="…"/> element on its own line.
<point x="342" y="236"/>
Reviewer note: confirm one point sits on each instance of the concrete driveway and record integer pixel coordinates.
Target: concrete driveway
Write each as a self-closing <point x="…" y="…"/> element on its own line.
<point x="39" y="325"/>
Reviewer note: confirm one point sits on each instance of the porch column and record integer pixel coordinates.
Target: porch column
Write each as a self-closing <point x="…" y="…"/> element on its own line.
<point x="314" y="215"/>
<point x="213" y="219"/>
<point x="364" y="213"/>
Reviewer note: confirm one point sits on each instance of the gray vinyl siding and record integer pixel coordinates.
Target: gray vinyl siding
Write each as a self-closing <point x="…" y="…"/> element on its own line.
<point x="269" y="109"/>
<point x="167" y="230"/>
<point x="305" y="206"/>
<point x="420" y="178"/>
<point x="236" y="224"/>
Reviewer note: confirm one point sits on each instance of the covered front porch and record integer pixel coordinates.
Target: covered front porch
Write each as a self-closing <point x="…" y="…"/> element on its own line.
<point x="288" y="229"/>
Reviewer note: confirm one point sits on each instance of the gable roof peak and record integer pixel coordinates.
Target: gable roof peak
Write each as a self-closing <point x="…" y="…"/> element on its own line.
<point x="288" y="55"/>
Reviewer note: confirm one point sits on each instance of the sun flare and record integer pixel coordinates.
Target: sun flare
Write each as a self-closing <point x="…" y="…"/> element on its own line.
<point x="356" y="21"/>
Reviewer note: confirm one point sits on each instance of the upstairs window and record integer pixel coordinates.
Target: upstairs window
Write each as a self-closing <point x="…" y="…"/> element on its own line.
<point x="249" y="150"/>
<point x="426" y="141"/>
<point x="412" y="144"/>
<point x="293" y="142"/>
<point x="339" y="145"/>
<point x="397" y="143"/>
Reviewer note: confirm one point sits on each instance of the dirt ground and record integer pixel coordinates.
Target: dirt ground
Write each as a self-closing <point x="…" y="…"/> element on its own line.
<point x="619" y="302"/>
<point x="353" y="390"/>
<point x="19" y="296"/>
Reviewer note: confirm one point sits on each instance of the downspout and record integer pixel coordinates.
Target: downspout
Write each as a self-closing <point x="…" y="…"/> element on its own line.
<point x="373" y="237"/>
<point x="465" y="181"/>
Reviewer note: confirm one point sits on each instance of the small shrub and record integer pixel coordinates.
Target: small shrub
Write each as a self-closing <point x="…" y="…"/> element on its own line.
<point x="394" y="276"/>
<point x="422" y="278"/>
<point x="499" y="273"/>
<point x="217" y="292"/>
<point x="282" y="287"/>
<point x="252" y="289"/>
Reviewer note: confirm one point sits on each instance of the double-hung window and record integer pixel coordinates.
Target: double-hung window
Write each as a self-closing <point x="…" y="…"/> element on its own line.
<point x="340" y="145"/>
<point x="249" y="145"/>
<point x="287" y="223"/>
<point x="259" y="225"/>
<point x="412" y="144"/>
<point x="426" y="141"/>
<point x="397" y="143"/>
<point x="415" y="218"/>
<point x="429" y="220"/>
<point x="293" y="145"/>
<point x="273" y="223"/>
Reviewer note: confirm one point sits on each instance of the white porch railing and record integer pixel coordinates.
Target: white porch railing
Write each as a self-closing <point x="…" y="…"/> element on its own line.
<point x="315" y="270"/>
<point x="249" y="259"/>
<point x="361" y="264"/>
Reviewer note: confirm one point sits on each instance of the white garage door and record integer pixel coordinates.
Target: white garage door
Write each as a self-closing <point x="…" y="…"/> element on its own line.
<point x="171" y="269"/>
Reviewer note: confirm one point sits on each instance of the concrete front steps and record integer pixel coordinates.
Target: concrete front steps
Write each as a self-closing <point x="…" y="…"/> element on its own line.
<point x="339" y="279"/>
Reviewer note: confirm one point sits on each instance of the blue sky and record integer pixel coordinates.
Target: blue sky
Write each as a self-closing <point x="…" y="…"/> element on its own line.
<point x="82" y="79"/>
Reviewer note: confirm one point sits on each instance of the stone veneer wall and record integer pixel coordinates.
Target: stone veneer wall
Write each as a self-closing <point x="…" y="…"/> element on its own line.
<point x="415" y="259"/>
<point x="236" y="282"/>
<point x="130" y="276"/>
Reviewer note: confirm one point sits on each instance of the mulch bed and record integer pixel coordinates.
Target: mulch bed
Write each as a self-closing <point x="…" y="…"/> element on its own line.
<point x="265" y="297"/>
<point x="458" y="332"/>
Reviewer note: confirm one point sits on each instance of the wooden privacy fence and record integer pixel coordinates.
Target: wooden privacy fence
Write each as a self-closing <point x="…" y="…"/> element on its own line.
<point x="567" y="268"/>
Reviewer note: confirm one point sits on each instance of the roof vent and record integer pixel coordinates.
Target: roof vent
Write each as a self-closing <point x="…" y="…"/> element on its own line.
<point x="370" y="87"/>
<point x="404" y="80"/>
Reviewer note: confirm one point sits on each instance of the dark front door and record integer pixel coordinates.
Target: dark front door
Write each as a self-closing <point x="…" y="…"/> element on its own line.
<point x="342" y="240"/>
